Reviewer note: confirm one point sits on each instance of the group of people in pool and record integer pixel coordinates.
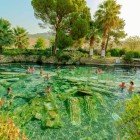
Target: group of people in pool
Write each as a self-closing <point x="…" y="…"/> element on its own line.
<point x="131" y="87"/>
<point x="123" y="85"/>
<point x="31" y="70"/>
<point x="46" y="76"/>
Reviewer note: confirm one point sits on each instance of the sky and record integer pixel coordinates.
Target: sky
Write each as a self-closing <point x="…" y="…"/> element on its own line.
<point x="20" y="13"/>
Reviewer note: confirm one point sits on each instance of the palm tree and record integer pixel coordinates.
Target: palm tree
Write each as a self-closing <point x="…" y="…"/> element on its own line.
<point x="108" y="18"/>
<point x="6" y="34"/>
<point x="21" y="37"/>
<point x="94" y="35"/>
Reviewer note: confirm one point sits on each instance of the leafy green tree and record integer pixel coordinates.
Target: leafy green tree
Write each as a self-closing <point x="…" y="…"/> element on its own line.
<point x="40" y="43"/>
<point x="21" y="37"/>
<point x="129" y="122"/>
<point x="58" y="12"/>
<point x="108" y="18"/>
<point x="6" y="34"/>
<point x="63" y="41"/>
<point x="116" y="35"/>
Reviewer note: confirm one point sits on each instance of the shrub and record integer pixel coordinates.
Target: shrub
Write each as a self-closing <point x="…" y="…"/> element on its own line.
<point x="117" y="52"/>
<point x="108" y="54"/>
<point x="122" y="52"/>
<point x="136" y="54"/>
<point x="83" y="51"/>
<point x="129" y="57"/>
<point x="40" y="43"/>
<point x="129" y="122"/>
<point x="14" y="52"/>
<point x="63" y="57"/>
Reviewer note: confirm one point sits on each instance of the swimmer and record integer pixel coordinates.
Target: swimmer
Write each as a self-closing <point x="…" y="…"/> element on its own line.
<point x="122" y="86"/>
<point x="41" y="71"/>
<point x="28" y="70"/>
<point x="47" y="77"/>
<point x="32" y="70"/>
<point x="99" y="71"/>
<point x="48" y="90"/>
<point x="131" y="87"/>
<point x="9" y="90"/>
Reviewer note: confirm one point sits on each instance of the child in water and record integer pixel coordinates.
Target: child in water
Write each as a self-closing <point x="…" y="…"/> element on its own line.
<point x="122" y="86"/>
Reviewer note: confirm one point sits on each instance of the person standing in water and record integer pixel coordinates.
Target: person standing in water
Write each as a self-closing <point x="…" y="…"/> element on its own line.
<point x="131" y="87"/>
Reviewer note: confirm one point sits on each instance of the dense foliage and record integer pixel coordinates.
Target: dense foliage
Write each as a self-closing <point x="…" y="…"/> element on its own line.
<point x="129" y="125"/>
<point x="8" y="130"/>
<point x="117" y="52"/>
<point x="6" y="34"/>
<point x="40" y="43"/>
<point x="132" y="43"/>
<point x="108" y="18"/>
<point x="64" y="15"/>
<point x="21" y="39"/>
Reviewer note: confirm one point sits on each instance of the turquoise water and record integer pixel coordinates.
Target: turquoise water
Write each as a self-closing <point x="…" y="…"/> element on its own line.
<point x="83" y="102"/>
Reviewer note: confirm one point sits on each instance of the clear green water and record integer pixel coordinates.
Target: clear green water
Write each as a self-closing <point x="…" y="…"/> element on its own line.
<point x="78" y="116"/>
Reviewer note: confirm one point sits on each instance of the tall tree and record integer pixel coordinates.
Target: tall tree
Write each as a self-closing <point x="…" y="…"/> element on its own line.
<point x="54" y="12"/>
<point x="21" y="37"/>
<point x="93" y="35"/>
<point x="6" y="34"/>
<point x="108" y="18"/>
<point x="116" y="34"/>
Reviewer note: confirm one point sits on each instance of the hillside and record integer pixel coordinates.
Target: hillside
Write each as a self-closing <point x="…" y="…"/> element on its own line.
<point x="47" y="35"/>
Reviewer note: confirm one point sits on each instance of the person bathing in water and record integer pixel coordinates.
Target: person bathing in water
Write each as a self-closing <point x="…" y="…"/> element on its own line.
<point x="131" y="87"/>
<point x="41" y="71"/>
<point x="47" y="77"/>
<point x="48" y="90"/>
<point x="43" y="74"/>
<point x="9" y="90"/>
<point x="30" y="70"/>
<point x="99" y="71"/>
<point x="122" y="86"/>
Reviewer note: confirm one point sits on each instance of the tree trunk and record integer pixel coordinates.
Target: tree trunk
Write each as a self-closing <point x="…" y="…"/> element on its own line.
<point x="103" y="53"/>
<point x="54" y="48"/>
<point x="57" y="27"/>
<point x="107" y="42"/>
<point x="91" y="46"/>
<point x="20" y="47"/>
<point x="0" y="49"/>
